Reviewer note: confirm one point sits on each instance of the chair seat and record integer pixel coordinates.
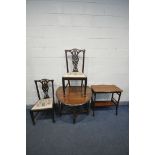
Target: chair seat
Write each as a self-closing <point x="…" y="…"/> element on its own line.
<point x="75" y="74"/>
<point x="43" y="104"/>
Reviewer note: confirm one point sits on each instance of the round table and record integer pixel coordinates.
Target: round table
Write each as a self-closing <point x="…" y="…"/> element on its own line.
<point x="74" y="99"/>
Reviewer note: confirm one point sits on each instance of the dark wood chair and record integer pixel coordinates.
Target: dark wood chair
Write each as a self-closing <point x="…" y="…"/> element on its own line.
<point x="46" y="100"/>
<point x="74" y="72"/>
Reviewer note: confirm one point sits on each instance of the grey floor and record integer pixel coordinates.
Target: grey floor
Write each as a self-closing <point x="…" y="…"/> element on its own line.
<point x="104" y="134"/>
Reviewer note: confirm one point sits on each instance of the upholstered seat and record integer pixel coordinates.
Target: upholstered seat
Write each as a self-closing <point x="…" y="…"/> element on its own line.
<point x="43" y="104"/>
<point x="75" y="74"/>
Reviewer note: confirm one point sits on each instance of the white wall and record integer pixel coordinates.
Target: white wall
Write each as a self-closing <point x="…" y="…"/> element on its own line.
<point x="99" y="26"/>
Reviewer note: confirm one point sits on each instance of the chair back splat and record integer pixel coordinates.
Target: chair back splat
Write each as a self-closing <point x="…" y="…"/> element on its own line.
<point x="74" y="53"/>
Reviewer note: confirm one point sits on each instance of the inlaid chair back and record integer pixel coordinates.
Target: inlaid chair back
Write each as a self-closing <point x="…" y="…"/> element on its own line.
<point x="45" y="92"/>
<point x="76" y="57"/>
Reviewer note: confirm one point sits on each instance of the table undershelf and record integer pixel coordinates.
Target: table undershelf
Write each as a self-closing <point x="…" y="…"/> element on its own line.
<point x="103" y="103"/>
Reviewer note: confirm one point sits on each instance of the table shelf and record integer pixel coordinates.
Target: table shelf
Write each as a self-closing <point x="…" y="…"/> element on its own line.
<point x="103" y="103"/>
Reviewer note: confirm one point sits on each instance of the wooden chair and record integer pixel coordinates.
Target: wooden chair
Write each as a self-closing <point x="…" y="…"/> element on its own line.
<point x="46" y="101"/>
<point x="74" y="73"/>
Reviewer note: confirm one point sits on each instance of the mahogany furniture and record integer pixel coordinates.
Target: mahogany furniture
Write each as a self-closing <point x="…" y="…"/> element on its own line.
<point x="46" y="101"/>
<point x="112" y="89"/>
<point x="74" y="102"/>
<point x="73" y="73"/>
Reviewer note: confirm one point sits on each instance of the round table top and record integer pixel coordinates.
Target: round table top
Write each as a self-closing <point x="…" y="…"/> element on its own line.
<point x="74" y="95"/>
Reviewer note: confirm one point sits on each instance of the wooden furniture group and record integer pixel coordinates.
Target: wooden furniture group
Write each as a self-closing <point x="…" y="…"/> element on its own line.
<point x="72" y="99"/>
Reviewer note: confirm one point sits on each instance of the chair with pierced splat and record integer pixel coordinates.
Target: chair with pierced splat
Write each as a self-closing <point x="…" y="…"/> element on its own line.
<point x="74" y="55"/>
<point x="46" y="101"/>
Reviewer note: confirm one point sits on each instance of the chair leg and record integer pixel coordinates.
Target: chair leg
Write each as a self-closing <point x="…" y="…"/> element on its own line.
<point x="93" y="103"/>
<point x="85" y="87"/>
<point x="53" y="115"/>
<point x="88" y="108"/>
<point x="32" y="117"/>
<point x="81" y="83"/>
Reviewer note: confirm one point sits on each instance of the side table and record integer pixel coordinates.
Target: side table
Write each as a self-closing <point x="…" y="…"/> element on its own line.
<point x="74" y="101"/>
<point x="112" y="89"/>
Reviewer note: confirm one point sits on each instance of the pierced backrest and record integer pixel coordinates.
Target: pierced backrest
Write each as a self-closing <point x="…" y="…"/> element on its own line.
<point x="75" y="55"/>
<point x="44" y="85"/>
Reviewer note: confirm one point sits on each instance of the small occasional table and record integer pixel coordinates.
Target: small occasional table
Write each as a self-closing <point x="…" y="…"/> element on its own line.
<point x="74" y="100"/>
<point x="112" y="89"/>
